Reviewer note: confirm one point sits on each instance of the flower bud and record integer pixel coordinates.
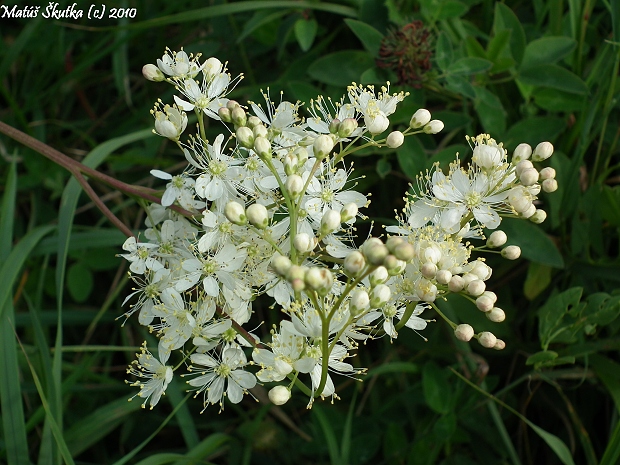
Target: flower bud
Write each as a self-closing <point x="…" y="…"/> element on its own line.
<point x="375" y="251"/>
<point x="378" y="276"/>
<point x="443" y="276"/>
<point x="522" y="166"/>
<point x="433" y="127"/>
<point x="354" y="263"/>
<point x="550" y="185"/>
<point x="379" y="296"/>
<point x="360" y="302"/>
<point x="296" y="272"/>
<point x="348" y="212"/>
<point x="235" y="213"/>
<point x="420" y="118"/>
<point x="428" y="270"/>
<point x="426" y="290"/>
<point x="496" y="315"/>
<point x="224" y="114"/>
<point x="484" y="303"/>
<point x="281" y="264"/>
<point x="294" y="185"/>
<point x="211" y="68"/>
<point x="529" y="177"/>
<point x="238" y="116"/>
<point x="376" y="122"/>
<point x="529" y="212"/>
<point x="260" y="131"/>
<point x="499" y="345"/>
<point x="232" y="104"/>
<point x="395" y="139"/>
<point x="547" y="173"/>
<point x="333" y="126"/>
<point x="497" y="239"/>
<point x="317" y="278"/>
<point x="262" y="147"/>
<point x="539" y="217"/>
<point x="257" y="215"/>
<point x="487" y="339"/>
<point x="304" y="243"/>
<point x="171" y="122"/>
<point x="476" y="287"/>
<point x="482" y="270"/>
<point x="254" y="121"/>
<point x="245" y="136"/>
<point x="464" y="332"/>
<point x="152" y="73"/>
<point x="456" y="284"/>
<point x="279" y="395"/>
<point x="491" y="295"/>
<point x="347" y="127"/>
<point x="404" y="251"/>
<point x="512" y="252"/>
<point x="542" y="151"/>
<point x="322" y="146"/>
<point x="522" y="152"/>
<point x="487" y="157"/>
<point x="330" y="222"/>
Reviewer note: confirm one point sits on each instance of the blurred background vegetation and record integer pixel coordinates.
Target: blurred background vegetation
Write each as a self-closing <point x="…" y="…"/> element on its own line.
<point x="523" y="71"/>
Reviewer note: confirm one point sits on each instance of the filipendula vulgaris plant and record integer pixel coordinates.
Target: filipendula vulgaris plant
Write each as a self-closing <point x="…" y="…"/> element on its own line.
<point x="269" y="208"/>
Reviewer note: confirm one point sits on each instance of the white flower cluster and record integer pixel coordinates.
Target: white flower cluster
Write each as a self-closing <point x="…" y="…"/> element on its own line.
<point x="271" y="210"/>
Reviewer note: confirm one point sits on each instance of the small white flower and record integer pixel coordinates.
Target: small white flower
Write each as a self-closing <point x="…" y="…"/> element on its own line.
<point x="155" y="371"/>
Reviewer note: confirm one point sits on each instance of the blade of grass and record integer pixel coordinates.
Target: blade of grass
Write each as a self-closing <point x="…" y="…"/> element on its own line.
<point x="330" y="437"/>
<point x="13" y="421"/>
<point x="556" y="444"/>
<point x="612" y="452"/>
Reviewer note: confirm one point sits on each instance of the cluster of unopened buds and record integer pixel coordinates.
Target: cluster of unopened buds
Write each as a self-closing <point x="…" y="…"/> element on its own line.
<point x="270" y="209"/>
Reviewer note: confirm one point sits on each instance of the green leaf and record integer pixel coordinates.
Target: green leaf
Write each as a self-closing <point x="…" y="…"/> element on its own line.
<point x="610" y="205"/>
<point x="469" y="65"/>
<point x="98" y="424"/>
<point x="612" y="452"/>
<point x="411" y="157"/>
<point x="443" y="51"/>
<point x="553" y="76"/>
<point x="461" y="86"/>
<point x="330" y="70"/>
<point x="394" y="367"/>
<point x="534" y="130"/>
<point x="541" y="357"/>
<point x="547" y="50"/>
<point x="384" y="167"/>
<point x="537" y="280"/>
<point x="305" y="32"/>
<point x="552" y="315"/>
<point x="557" y="100"/>
<point x="79" y="281"/>
<point x="439" y="10"/>
<point x="490" y="111"/>
<point x="474" y="49"/>
<point x="535" y="245"/>
<point x="505" y="19"/>
<point x="368" y="35"/>
<point x="555" y="443"/>
<point x="499" y="45"/>
<point x="436" y="387"/>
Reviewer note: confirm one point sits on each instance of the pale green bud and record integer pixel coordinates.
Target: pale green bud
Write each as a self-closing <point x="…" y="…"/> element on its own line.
<point x="512" y="252"/>
<point x="487" y="339"/>
<point x="522" y="152"/>
<point x="152" y="73"/>
<point x="464" y="332"/>
<point x="433" y="127"/>
<point x="238" y="116"/>
<point x="235" y="213"/>
<point x="279" y="395"/>
<point x="347" y="127"/>
<point x="497" y="239"/>
<point x="542" y="151"/>
<point x="257" y="215"/>
<point x="245" y="137"/>
<point x="262" y="147"/>
<point x="322" y="146"/>
<point x="496" y="315"/>
<point x="420" y="118"/>
<point x="395" y="139"/>
<point x="354" y="263"/>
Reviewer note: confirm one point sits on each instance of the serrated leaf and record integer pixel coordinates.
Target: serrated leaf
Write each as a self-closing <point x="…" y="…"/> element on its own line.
<point x="553" y="76"/>
<point x="305" y="32"/>
<point x="552" y="315"/>
<point x="469" y="65"/>
<point x="368" y="35"/>
<point x="330" y="70"/>
<point x="547" y="50"/>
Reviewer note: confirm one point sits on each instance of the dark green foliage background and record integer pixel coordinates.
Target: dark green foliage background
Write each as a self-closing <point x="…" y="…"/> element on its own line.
<point x="524" y="71"/>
